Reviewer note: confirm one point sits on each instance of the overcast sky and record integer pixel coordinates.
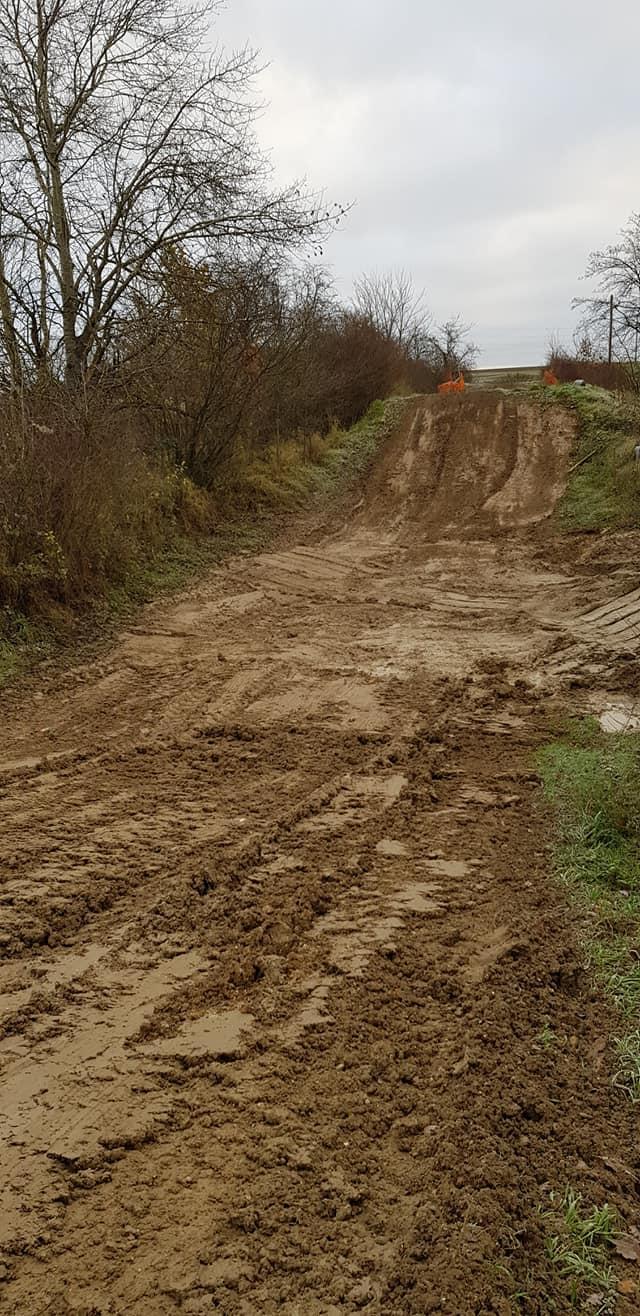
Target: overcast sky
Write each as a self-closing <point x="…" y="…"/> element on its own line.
<point x="488" y="145"/>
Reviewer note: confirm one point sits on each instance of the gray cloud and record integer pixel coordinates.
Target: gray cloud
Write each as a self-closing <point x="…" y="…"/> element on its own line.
<point x="488" y="146"/>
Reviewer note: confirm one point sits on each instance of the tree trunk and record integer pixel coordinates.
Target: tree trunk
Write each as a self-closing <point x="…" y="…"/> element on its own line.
<point x="59" y="220"/>
<point x="9" y="332"/>
<point x="72" y="349"/>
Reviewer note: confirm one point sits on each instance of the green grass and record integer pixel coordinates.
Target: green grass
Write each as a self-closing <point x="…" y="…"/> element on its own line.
<point x="593" y="781"/>
<point x="627" y="1075"/>
<point x="578" y="1244"/>
<point x="297" y="471"/>
<point x="604" y="492"/>
<point x="256" y="498"/>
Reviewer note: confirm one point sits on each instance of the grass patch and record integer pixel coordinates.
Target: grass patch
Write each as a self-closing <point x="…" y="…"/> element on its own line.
<point x="290" y="474"/>
<point x="593" y="781"/>
<point x="604" y="492"/>
<point x="26" y="643"/>
<point x="627" y="1075"/>
<point x="578" y="1244"/>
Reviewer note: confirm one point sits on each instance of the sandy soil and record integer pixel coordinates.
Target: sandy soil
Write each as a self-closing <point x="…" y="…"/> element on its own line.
<point x="278" y="935"/>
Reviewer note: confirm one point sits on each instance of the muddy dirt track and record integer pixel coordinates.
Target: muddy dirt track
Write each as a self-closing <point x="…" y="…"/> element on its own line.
<point x="278" y="934"/>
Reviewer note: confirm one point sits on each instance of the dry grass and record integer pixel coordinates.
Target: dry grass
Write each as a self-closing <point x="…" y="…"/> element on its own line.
<point x="80" y="501"/>
<point x="91" y="521"/>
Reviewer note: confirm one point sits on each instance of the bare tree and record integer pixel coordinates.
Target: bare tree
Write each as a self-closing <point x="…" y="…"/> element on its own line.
<point x="118" y="135"/>
<point x="392" y="305"/>
<point x="448" y="347"/>
<point x="616" y="271"/>
<point x="214" y="359"/>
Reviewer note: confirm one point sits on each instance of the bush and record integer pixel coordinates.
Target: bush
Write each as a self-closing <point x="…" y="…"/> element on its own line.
<point x="80" y="500"/>
<point x="568" y="368"/>
<point x="85" y="503"/>
<point x="229" y="361"/>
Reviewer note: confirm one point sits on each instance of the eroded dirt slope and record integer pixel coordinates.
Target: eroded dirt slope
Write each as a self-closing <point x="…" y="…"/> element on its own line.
<point x="278" y="935"/>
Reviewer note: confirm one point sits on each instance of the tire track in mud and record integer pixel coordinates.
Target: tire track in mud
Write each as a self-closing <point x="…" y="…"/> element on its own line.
<point x="207" y="905"/>
<point x="174" y="802"/>
<point x="435" y="1136"/>
<point x="278" y="1049"/>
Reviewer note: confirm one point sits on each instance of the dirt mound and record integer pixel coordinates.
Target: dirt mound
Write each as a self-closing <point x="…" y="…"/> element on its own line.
<point x="472" y="464"/>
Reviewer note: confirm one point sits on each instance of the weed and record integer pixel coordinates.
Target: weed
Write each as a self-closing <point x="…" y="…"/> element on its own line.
<point x="547" y="1037"/>
<point x="579" y="1248"/>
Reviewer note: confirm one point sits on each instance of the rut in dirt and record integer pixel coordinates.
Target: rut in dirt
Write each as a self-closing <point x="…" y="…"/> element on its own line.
<point x="279" y="938"/>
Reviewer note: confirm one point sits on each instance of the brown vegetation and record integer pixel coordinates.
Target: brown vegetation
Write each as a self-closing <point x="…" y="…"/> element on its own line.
<point x="568" y="368"/>
<point x="162" y="320"/>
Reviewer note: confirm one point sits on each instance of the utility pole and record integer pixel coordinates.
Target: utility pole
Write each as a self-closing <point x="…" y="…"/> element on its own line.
<point x="610" y="329"/>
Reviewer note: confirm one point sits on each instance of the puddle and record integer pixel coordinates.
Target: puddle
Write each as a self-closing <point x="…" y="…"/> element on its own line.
<point x="218" y="1035"/>
<point x="391" y="849"/>
<point x="447" y="867"/>
<point x="387" y="788"/>
<point x="619" y="719"/>
<point x="72" y="966"/>
<point x="81" y="1090"/>
<point x="418" y="897"/>
<point x="354" y="802"/>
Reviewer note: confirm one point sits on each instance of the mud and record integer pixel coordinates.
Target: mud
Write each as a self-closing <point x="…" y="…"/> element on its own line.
<point x="278" y="937"/>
